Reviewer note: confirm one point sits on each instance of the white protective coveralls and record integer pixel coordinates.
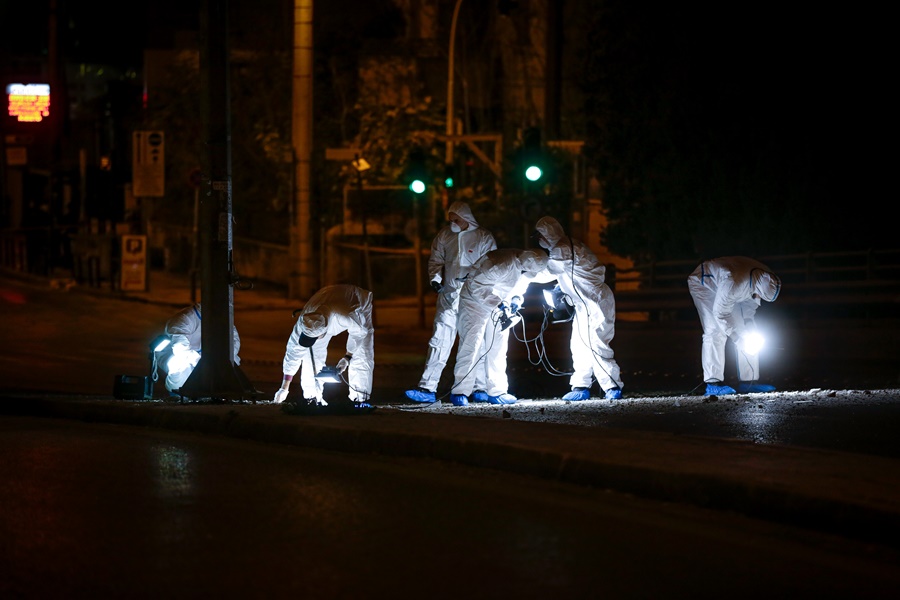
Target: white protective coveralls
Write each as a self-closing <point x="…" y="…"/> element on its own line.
<point x="582" y="278"/>
<point x="184" y="329"/>
<point x="727" y="291"/>
<point x="330" y="311"/>
<point x="499" y="276"/>
<point x="453" y="255"/>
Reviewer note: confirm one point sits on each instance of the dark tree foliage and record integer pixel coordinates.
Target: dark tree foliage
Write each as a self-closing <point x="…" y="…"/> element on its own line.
<point x="716" y="129"/>
<point x="260" y="41"/>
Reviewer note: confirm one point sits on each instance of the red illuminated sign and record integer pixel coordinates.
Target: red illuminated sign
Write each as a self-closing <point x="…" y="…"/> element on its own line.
<point x="30" y="102"/>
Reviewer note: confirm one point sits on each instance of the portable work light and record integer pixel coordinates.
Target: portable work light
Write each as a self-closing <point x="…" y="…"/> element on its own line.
<point x="329" y="375"/>
<point x="558" y="305"/>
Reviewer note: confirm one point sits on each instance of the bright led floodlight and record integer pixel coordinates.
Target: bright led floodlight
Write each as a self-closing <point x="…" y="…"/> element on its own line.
<point x="559" y="307"/>
<point x="753" y="342"/>
<point x="329" y="375"/>
<point x="160" y="343"/>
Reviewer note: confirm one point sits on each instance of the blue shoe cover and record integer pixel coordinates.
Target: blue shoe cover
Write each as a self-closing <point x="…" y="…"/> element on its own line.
<point x="754" y="388"/>
<point x="577" y="394"/>
<point x="420" y="395"/>
<point x="459" y="400"/>
<point x="503" y="399"/>
<point x="719" y="390"/>
<point x="362" y="405"/>
<point x="613" y="393"/>
<point x="479" y="396"/>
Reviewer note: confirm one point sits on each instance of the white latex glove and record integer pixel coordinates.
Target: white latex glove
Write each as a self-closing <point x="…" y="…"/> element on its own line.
<point x="343" y="364"/>
<point x="280" y="396"/>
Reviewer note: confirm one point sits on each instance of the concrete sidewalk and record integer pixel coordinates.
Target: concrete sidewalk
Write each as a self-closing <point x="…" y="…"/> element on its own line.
<point x="853" y="495"/>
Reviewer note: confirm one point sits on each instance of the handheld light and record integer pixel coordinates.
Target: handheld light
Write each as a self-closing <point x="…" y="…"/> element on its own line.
<point x="559" y="307"/>
<point x="160" y="343"/>
<point x="753" y="342"/>
<point x="329" y="375"/>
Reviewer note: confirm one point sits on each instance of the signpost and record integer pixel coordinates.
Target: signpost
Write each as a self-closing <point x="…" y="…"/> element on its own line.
<point x="149" y="164"/>
<point x="134" y="263"/>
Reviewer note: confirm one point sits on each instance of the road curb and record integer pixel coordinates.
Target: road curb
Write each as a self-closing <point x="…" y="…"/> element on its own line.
<point x="609" y="460"/>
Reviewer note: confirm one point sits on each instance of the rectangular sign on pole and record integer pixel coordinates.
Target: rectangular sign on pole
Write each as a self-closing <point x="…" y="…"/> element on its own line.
<point x="346" y="154"/>
<point x="149" y="164"/>
<point x="134" y="263"/>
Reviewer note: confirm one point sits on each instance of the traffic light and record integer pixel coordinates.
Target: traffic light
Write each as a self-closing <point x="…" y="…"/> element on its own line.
<point x="533" y="163"/>
<point x="533" y="172"/>
<point x="416" y="171"/>
<point x="449" y="176"/>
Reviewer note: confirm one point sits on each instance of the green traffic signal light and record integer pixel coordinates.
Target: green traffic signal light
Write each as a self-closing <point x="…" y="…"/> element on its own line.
<point x="449" y="171"/>
<point x="417" y="186"/>
<point x="416" y="172"/>
<point x="532" y="154"/>
<point x="533" y="173"/>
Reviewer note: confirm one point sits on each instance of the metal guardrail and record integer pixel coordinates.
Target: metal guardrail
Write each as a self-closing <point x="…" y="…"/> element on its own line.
<point x="841" y="282"/>
<point x="813" y="267"/>
<point x="857" y="283"/>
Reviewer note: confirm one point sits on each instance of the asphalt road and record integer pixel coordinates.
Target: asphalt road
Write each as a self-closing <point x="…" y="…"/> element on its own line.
<point x="98" y="510"/>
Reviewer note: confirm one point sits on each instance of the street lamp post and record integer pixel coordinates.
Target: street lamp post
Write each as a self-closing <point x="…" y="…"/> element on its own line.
<point x="302" y="278"/>
<point x="448" y="158"/>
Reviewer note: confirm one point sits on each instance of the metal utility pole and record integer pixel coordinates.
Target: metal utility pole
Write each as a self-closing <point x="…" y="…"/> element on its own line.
<point x="303" y="279"/>
<point x="216" y="376"/>
<point x="451" y="53"/>
<point x="553" y="69"/>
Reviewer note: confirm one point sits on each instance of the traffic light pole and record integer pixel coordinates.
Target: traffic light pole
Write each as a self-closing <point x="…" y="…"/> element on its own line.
<point x="448" y="157"/>
<point x="216" y="375"/>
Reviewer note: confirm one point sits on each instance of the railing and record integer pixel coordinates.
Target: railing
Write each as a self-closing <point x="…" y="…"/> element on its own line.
<point x="865" y="282"/>
<point x="858" y="283"/>
<point x="863" y="265"/>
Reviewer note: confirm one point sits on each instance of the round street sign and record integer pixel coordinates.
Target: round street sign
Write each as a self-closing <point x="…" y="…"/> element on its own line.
<point x="195" y="178"/>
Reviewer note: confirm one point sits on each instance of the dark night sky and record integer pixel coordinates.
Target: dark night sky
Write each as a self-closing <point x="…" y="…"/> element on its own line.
<point x="815" y="78"/>
<point x="96" y="27"/>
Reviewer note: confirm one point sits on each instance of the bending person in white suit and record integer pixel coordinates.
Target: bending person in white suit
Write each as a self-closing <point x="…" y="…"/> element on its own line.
<point x="332" y="310"/>
<point x="727" y="291"/>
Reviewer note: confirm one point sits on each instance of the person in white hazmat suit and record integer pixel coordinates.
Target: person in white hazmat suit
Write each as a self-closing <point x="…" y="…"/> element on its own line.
<point x="582" y="277"/>
<point x="499" y="280"/>
<point x="454" y="251"/>
<point x="727" y="291"/>
<point x="329" y="312"/>
<point x="182" y="355"/>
